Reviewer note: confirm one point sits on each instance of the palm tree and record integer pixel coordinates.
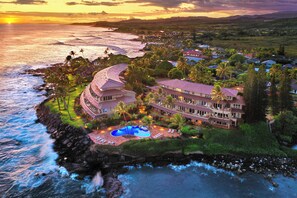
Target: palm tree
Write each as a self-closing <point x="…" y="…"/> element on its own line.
<point x="169" y="100"/>
<point x="275" y="71"/>
<point x="82" y="51"/>
<point x="106" y="51"/>
<point x="67" y="60"/>
<point x="122" y="110"/>
<point x="182" y="65"/>
<point x="224" y="70"/>
<point x="178" y="120"/>
<point x="72" y="53"/>
<point x="201" y="74"/>
<point x="217" y="94"/>
<point x="147" y="121"/>
<point x="150" y="98"/>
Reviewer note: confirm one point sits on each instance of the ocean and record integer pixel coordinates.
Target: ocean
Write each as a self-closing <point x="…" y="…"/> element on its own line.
<point x="27" y="159"/>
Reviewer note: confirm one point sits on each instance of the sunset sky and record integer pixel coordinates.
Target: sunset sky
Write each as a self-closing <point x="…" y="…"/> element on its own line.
<point x="69" y="11"/>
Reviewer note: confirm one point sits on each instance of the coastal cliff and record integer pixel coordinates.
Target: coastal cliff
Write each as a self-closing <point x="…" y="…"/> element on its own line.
<point x="77" y="153"/>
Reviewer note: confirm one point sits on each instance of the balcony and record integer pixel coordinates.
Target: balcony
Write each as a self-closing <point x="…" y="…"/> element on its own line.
<point x="176" y="110"/>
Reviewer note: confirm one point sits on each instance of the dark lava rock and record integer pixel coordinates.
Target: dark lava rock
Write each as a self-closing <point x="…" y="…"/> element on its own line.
<point x="113" y="186"/>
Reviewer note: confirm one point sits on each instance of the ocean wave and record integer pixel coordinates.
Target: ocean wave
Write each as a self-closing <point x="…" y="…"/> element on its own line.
<point x="195" y="164"/>
<point x="60" y="43"/>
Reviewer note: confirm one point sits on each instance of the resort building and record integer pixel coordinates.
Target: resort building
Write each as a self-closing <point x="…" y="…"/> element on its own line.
<point x="194" y="102"/>
<point x="105" y="92"/>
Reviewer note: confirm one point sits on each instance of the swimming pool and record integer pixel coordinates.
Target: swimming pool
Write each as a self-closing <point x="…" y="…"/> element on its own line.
<point x="133" y="131"/>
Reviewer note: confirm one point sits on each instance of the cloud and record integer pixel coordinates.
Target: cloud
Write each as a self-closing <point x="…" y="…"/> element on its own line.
<point x="34" y="2"/>
<point x="94" y="3"/>
<point x="214" y="5"/>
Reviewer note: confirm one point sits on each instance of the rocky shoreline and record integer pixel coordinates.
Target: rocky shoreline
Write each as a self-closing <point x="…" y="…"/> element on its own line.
<point x="77" y="153"/>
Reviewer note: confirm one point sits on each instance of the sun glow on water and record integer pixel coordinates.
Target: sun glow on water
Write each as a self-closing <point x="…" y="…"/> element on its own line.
<point x="10" y="20"/>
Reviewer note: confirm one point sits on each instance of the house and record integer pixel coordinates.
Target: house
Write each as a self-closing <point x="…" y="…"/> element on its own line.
<point x="193" y="60"/>
<point x="106" y="90"/>
<point x="193" y="101"/>
<point x="193" y="56"/>
<point x="289" y="66"/>
<point x="192" y="53"/>
<point x="215" y="55"/>
<point x="213" y="67"/>
<point x="173" y="63"/>
<point x="203" y="46"/>
<point x="268" y="63"/>
<point x="294" y="87"/>
<point x="266" y="70"/>
<point x="253" y="60"/>
<point x="249" y="56"/>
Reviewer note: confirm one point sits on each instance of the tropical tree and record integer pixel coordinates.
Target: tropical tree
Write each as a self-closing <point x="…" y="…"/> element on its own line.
<point x="217" y="94"/>
<point x="135" y="77"/>
<point x="201" y="74"/>
<point x="122" y="110"/>
<point x="106" y="51"/>
<point x="255" y="95"/>
<point x="236" y="58"/>
<point x="182" y="65"/>
<point x="68" y="60"/>
<point x="286" y="100"/>
<point x="273" y="97"/>
<point x="147" y="121"/>
<point x="72" y="53"/>
<point x="58" y="77"/>
<point x="82" y="52"/>
<point x="150" y="97"/>
<point x="224" y="70"/>
<point x="285" y="124"/>
<point x="169" y="100"/>
<point x="178" y="121"/>
<point x="163" y="68"/>
<point x="175" y="73"/>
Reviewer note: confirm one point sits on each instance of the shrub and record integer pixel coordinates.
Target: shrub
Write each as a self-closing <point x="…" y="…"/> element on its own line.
<point x="175" y="74"/>
<point x="189" y="130"/>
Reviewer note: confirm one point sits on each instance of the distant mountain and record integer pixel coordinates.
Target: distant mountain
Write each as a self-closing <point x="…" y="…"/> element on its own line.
<point x="272" y="16"/>
<point x="279" y="20"/>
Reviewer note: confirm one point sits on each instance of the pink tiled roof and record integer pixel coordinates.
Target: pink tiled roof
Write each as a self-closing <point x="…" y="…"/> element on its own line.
<point x="196" y="87"/>
<point x="112" y="104"/>
<point x="109" y="78"/>
<point x="196" y="52"/>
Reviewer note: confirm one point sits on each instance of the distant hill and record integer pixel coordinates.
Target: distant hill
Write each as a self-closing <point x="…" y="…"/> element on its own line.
<point x="203" y="23"/>
<point x="240" y="32"/>
<point x="272" y="16"/>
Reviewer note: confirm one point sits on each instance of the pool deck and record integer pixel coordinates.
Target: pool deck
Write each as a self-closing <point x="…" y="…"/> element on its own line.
<point x="103" y="137"/>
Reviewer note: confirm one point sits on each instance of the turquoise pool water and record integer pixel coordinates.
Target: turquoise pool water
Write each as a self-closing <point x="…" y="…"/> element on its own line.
<point x="132" y="130"/>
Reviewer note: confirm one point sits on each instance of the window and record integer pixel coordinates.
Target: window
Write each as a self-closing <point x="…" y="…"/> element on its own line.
<point x="105" y="98"/>
<point x="191" y="110"/>
<point x="182" y="109"/>
<point x="202" y="103"/>
<point x="174" y="96"/>
<point x="229" y="98"/>
<point x="237" y="106"/>
<point x="217" y="106"/>
<point x="188" y="100"/>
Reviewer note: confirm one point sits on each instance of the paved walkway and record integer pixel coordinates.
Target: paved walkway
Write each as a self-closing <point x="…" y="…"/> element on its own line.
<point x="104" y="137"/>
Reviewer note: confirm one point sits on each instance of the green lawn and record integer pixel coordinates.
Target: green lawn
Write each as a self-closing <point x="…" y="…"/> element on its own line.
<point x="264" y="41"/>
<point x="76" y="121"/>
<point x="249" y="140"/>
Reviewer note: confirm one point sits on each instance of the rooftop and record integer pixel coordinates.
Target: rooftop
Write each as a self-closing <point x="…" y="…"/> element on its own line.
<point x="196" y="87"/>
<point x="109" y="77"/>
